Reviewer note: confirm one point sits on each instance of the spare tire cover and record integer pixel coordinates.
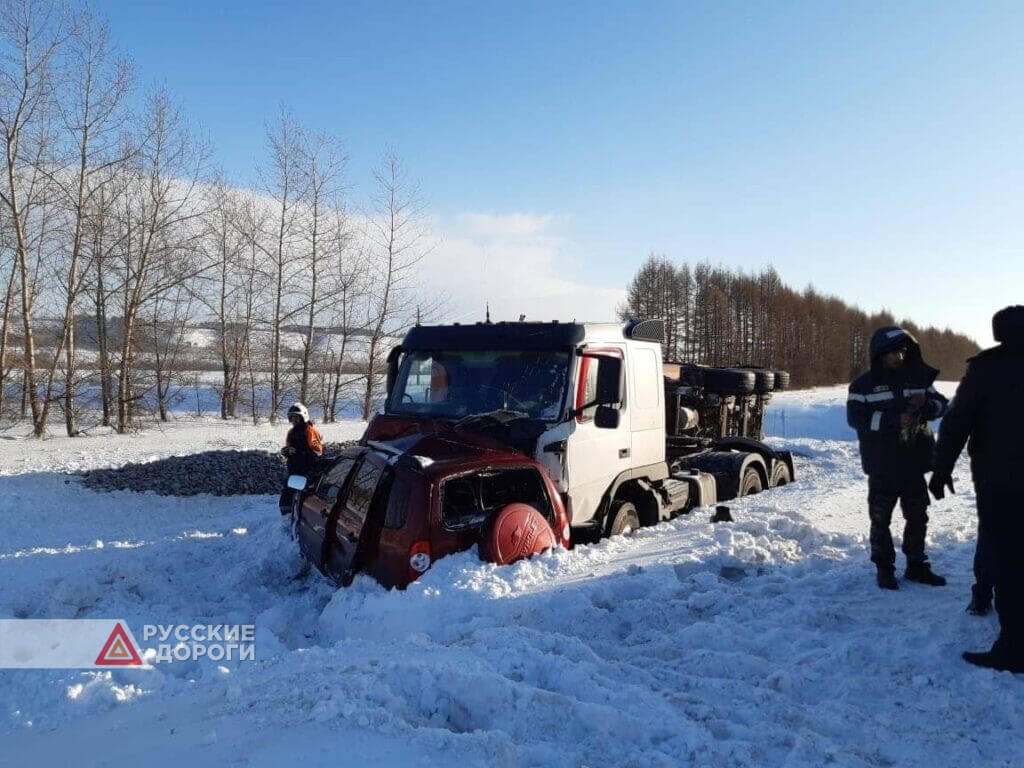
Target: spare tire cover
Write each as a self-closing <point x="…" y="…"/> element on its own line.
<point x="517" y="531"/>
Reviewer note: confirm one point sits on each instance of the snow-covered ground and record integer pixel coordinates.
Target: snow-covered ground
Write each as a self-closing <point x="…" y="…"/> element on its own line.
<point x="759" y="642"/>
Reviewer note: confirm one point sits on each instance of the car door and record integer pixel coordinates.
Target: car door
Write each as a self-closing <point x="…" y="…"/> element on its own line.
<point x="352" y="530"/>
<point x="315" y="512"/>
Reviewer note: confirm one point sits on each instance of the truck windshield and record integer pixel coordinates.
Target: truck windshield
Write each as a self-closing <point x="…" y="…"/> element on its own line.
<point x="453" y="384"/>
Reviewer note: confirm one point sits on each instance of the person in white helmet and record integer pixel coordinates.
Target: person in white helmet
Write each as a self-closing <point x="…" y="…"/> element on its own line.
<point x="303" y="445"/>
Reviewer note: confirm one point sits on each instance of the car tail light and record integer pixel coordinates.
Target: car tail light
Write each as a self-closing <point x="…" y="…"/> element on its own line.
<point x="419" y="559"/>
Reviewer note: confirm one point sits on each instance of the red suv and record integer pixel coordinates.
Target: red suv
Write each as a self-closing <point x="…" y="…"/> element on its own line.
<point x="397" y="502"/>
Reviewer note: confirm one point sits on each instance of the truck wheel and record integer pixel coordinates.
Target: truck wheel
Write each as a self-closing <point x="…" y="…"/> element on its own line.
<point x="622" y="518"/>
<point x="729" y="381"/>
<point x="781" y="380"/>
<point x="780" y="475"/>
<point x="751" y="482"/>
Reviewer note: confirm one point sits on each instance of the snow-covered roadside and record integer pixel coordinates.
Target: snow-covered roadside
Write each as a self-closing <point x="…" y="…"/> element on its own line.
<point x="761" y="642"/>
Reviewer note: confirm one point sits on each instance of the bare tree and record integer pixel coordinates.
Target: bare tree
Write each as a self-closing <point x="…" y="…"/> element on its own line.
<point x="282" y="181"/>
<point x="324" y="163"/>
<point x="227" y="237"/>
<point x="31" y="35"/>
<point x="92" y="110"/>
<point x="397" y="242"/>
<point x="159" y="221"/>
<point x="165" y="323"/>
<point x="346" y="277"/>
<point x="253" y="282"/>
<point x="11" y="271"/>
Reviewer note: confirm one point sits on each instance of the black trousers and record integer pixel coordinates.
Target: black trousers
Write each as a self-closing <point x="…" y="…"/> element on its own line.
<point x="911" y="492"/>
<point x="285" y="502"/>
<point x="984" y="565"/>
<point x="1001" y="513"/>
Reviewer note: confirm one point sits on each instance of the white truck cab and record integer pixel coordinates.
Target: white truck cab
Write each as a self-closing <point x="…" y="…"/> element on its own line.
<point x="590" y="402"/>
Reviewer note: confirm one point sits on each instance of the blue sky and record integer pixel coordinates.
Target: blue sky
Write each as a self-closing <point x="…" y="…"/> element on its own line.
<point x="873" y="149"/>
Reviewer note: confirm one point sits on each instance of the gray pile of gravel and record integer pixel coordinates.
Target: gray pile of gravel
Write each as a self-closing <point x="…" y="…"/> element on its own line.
<point x="220" y="473"/>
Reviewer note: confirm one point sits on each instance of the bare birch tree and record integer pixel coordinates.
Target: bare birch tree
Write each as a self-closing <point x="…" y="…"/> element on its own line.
<point x="31" y="35"/>
<point x="159" y="221"/>
<point x="97" y="82"/>
<point x="283" y="183"/>
<point x="397" y="242"/>
<point x="324" y="163"/>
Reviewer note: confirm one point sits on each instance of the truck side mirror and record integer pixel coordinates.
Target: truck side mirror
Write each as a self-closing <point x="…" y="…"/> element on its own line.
<point x="606" y="417"/>
<point x="609" y="381"/>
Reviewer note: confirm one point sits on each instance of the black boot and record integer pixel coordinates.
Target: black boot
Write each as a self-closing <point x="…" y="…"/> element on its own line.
<point x="979" y="606"/>
<point x="886" y="579"/>
<point x="981" y="601"/>
<point x="994" y="660"/>
<point x="922" y="573"/>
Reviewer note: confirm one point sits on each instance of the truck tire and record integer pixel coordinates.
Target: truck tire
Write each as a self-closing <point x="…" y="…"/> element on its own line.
<point x="764" y="380"/>
<point x="751" y="482"/>
<point x="622" y="518"/>
<point x="780" y="475"/>
<point x="781" y="380"/>
<point x="729" y="381"/>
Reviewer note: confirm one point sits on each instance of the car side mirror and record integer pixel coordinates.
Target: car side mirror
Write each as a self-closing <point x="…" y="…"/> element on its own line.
<point x="609" y="381"/>
<point x="606" y="417"/>
<point x="297" y="482"/>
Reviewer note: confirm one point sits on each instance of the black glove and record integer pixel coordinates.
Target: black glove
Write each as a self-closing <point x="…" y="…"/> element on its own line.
<point x="287" y="451"/>
<point x="938" y="484"/>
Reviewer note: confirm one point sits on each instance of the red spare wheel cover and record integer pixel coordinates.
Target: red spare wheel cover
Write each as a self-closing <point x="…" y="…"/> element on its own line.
<point x="516" y="532"/>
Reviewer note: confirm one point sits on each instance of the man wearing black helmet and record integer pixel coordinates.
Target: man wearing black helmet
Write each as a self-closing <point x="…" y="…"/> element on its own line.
<point x="988" y="411"/>
<point x="890" y="406"/>
<point x="303" y="445"/>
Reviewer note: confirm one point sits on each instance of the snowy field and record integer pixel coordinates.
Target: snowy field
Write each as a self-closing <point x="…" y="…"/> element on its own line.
<point x="762" y="642"/>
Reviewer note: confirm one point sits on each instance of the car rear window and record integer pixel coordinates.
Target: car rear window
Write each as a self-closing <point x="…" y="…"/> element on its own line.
<point x="398" y="502"/>
<point x="468" y="500"/>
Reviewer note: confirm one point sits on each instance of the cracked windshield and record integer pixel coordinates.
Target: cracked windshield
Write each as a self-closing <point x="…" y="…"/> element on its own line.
<point x="456" y="384"/>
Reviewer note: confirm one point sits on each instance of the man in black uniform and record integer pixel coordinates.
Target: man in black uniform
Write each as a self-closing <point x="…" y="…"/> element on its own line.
<point x="989" y="411"/>
<point x="890" y="406"/>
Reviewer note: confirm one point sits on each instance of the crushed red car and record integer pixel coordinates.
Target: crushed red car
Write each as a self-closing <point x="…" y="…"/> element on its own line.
<point x="392" y="506"/>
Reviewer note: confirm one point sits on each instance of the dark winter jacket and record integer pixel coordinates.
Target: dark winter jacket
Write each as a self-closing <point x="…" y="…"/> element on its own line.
<point x="307" y="447"/>
<point x="988" y="410"/>
<point x="878" y="398"/>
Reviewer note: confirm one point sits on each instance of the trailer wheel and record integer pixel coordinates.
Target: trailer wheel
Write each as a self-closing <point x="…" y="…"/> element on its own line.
<point x="780" y="475"/>
<point x="751" y="482"/>
<point x="729" y="381"/>
<point x="623" y="518"/>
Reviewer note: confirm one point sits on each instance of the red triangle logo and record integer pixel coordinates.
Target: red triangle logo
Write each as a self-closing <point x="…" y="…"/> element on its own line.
<point x="119" y="650"/>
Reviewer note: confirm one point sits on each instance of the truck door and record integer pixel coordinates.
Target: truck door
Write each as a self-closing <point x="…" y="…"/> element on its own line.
<point x="595" y="455"/>
<point x="647" y="406"/>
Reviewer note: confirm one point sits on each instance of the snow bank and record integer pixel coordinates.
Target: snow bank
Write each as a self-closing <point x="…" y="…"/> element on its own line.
<point x="758" y="642"/>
